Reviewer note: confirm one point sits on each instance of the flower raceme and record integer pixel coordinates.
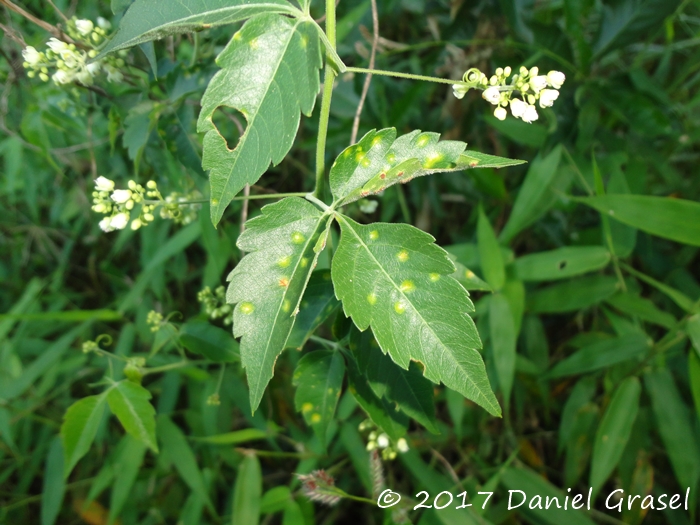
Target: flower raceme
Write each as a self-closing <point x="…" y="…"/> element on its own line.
<point x="117" y="204"/>
<point x="527" y="83"/>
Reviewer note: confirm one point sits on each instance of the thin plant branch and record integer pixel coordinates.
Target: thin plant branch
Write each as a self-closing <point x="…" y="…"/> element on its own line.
<point x="55" y="31"/>
<point x="368" y="78"/>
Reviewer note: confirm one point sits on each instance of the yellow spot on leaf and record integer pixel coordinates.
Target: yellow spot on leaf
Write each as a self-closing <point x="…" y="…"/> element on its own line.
<point x="402" y="256"/>
<point x="434" y="277"/>
<point x="247" y="308"/>
<point x="399" y="308"/>
<point x="284" y="261"/>
<point x="284" y="282"/>
<point x="307" y="407"/>
<point x="372" y="299"/>
<point x="407" y="286"/>
<point x="286" y="306"/>
<point x="376" y="140"/>
<point x="253" y="43"/>
<point x="366" y="162"/>
<point x="304" y="262"/>
<point x="315" y="418"/>
<point x="469" y="274"/>
<point x="237" y="36"/>
<point x="373" y="235"/>
<point x="422" y="141"/>
<point x="298" y="238"/>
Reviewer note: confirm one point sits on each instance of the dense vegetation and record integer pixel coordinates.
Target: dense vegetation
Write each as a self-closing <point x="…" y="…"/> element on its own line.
<point x="582" y="265"/>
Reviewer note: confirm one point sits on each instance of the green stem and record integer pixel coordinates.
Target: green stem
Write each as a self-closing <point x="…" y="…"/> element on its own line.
<point x="405" y="75"/>
<point x="243" y="198"/>
<point x="171" y="366"/>
<point x="328" y="81"/>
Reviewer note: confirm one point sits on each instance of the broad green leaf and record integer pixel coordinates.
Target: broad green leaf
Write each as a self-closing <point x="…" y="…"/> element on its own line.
<point x="561" y="263"/>
<point x="275" y="499"/>
<point x="270" y="73"/>
<point x="624" y="238"/>
<point x="536" y="194"/>
<point x="380" y="160"/>
<point x="148" y="20"/>
<point x="319" y="380"/>
<point x="503" y="343"/>
<point x="126" y="471"/>
<point x="293" y="514"/>
<point x="212" y="342"/>
<point x="642" y="308"/>
<point x="393" y="278"/>
<point x="80" y="424"/>
<point x="573" y="295"/>
<point x="175" y="445"/>
<point x="247" y="492"/>
<point x="383" y="413"/>
<point x="234" y="438"/>
<point x="602" y="355"/>
<point x="625" y="22"/>
<point x="130" y="403"/>
<point x="614" y="431"/>
<point x="492" y="265"/>
<point x="54" y="484"/>
<point x="6" y="431"/>
<point x="533" y="485"/>
<point x="268" y="284"/>
<point x="675" y="427"/>
<point x="407" y="389"/>
<point x="682" y="300"/>
<point x="580" y="443"/>
<point x="674" y="219"/>
<point x="317" y="305"/>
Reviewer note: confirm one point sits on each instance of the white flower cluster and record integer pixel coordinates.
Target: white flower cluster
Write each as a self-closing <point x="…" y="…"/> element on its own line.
<point x="528" y="83"/>
<point x="382" y="442"/>
<point x="71" y="62"/>
<point x="118" y="205"/>
<point x="214" y="304"/>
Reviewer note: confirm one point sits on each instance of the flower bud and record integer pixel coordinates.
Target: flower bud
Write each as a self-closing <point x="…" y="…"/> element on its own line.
<point x="538" y="83"/>
<point x="151" y="184"/>
<point x="119" y="221"/>
<point x="500" y="113"/>
<point x="517" y="107"/>
<point x="121" y="196"/>
<point x="530" y="114"/>
<point x="383" y="441"/>
<point x="547" y="97"/>
<point x="84" y="27"/>
<point x="402" y="445"/>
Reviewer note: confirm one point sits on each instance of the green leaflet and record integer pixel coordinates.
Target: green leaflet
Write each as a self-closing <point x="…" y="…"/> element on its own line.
<point x="268" y="284"/>
<point x="130" y="403"/>
<point x="79" y="428"/>
<point x="270" y="73"/>
<point x="319" y="380"/>
<point x="492" y="265"/>
<point x="561" y="263"/>
<point x="210" y="341"/>
<point x="393" y="278"/>
<point x="148" y="20"/>
<point x="247" y="492"/>
<point x="380" y="160"/>
<point x="316" y="306"/>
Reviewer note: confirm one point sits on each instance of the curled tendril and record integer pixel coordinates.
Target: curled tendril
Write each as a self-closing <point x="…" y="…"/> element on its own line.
<point x="106" y="338"/>
<point x="171" y="315"/>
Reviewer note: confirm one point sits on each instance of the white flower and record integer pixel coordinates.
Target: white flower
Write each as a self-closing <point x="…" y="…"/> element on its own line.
<point x="500" y="113"/>
<point x="556" y="79"/>
<point x="492" y="95"/>
<point x="402" y="445"/>
<point x="119" y="221"/>
<point x="538" y="83"/>
<point x="105" y="225"/>
<point x="530" y="114"/>
<point x="61" y="77"/>
<point x="85" y="27"/>
<point x="93" y="68"/>
<point x="459" y="90"/>
<point x="103" y="23"/>
<point x="517" y="107"/>
<point x="547" y="97"/>
<point x="113" y="74"/>
<point x="121" y="196"/>
<point x="31" y="55"/>
<point x="104" y="184"/>
<point x="57" y="45"/>
<point x="383" y="441"/>
<point x="84" y="77"/>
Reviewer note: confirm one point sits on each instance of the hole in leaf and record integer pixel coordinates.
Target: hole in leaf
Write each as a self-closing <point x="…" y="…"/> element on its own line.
<point x="231" y="125"/>
<point x="562" y="265"/>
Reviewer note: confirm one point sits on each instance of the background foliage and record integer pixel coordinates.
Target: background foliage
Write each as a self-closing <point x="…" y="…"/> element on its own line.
<point x="588" y="335"/>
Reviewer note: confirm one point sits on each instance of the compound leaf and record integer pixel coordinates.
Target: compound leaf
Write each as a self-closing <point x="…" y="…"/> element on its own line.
<point x="130" y="403"/>
<point x="270" y="73"/>
<point x="79" y="428"/>
<point x="268" y="283"/>
<point x="319" y="378"/>
<point x="148" y="20"/>
<point x="393" y="278"/>
<point x="381" y="160"/>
